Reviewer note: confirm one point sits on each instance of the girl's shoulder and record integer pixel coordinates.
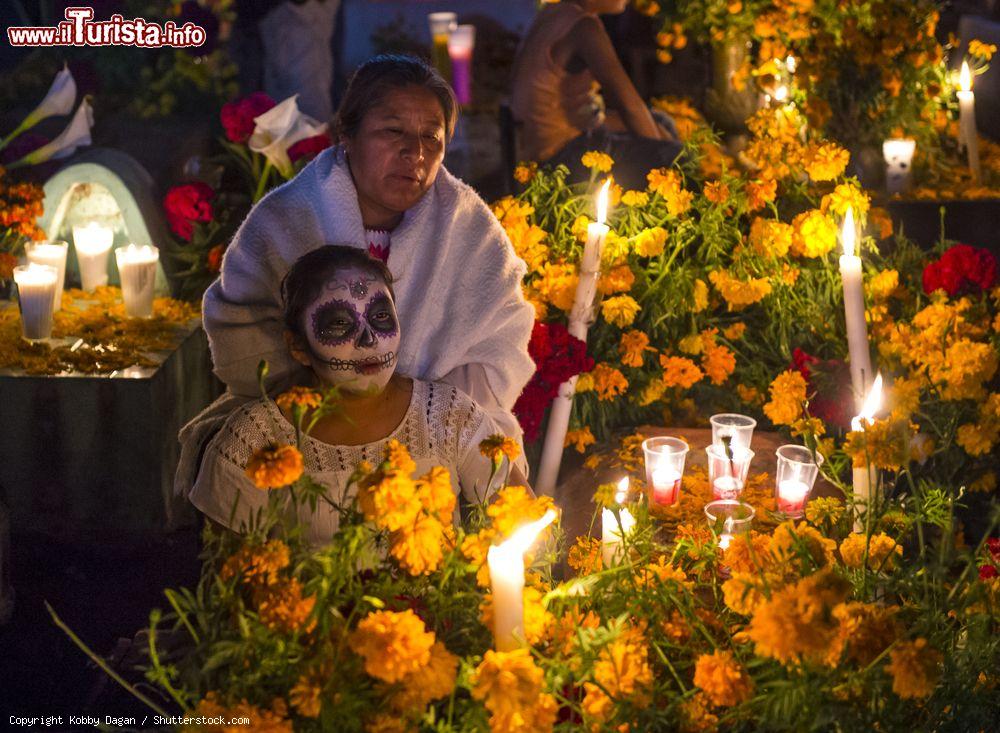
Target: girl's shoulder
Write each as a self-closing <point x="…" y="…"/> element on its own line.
<point x="452" y="417"/>
<point x="250" y="427"/>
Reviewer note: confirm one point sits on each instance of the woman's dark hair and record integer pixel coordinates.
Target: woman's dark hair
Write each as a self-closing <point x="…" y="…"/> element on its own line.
<point x="384" y="73"/>
<point x="304" y="282"/>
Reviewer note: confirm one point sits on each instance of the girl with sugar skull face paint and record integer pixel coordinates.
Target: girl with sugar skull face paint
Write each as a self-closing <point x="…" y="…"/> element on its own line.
<point x="341" y="322"/>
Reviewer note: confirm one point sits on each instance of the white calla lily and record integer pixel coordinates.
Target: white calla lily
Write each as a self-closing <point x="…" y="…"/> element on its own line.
<point x="76" y="134"/>
<point x="58" y="101"/>
<point x="278" y="129"/>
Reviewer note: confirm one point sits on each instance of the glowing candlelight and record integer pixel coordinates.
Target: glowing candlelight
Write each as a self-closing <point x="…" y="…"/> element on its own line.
<point x="898" y="154"/>
<point x="854" y="308"/>
<point x="968" y="135"/>
<point x="137" y="269"/>
<point x="92" y="244"/>
<point x="35" y="285"/>
<point x="664" y="457"/>
<point x="506" y="563"/>
<point x="612" y="534"/>
<point x="864" y="477"/>
<point x="53" y="254"/>
<point x="461" y="42"/>
<point x="794" y="477"/>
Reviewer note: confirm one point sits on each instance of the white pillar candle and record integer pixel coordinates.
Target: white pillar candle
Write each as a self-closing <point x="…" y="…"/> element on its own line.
<point x="92" y="244"/>
<point x="613" y="533"/>
<point x="969" y="136"/>
<point x="137" y="270"/>
<point x="854" y="310"/>
<point x="898" y="154"/>
<point x="580" y="318"/>
<point x="864" y="477"/>
<point x="35" y="286"/>
<point x="506" y="563"/>
<point x="53" y="254"/>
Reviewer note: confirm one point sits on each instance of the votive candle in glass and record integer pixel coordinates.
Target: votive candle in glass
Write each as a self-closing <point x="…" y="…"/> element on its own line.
<point x="665" y="458"/>
<point x="53" y="254"/>
<point x="442" y="24"/>
<point x="35" y="286"/>
<point x="797" y="470"/>
<point x="615" y="529"/>
<point x="727" y="474"/>
<point x="137" y="270"/>
<point x="730" y="425"/>
<point x="93" y="243"/>
<point x="728" y="518"/>
<point x="461" y="43"/>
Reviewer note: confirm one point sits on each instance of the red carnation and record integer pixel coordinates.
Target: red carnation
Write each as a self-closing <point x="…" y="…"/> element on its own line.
<point x="186" y="205"/>
<point x="828" y="383"/>
<point x="213" y="262"/>
<point x="962" y="268"/>
<point x="993" y="545"/>
<point x="238" y="116"/>
<point x="309" y="147"/>
<point x="987" y="571"/>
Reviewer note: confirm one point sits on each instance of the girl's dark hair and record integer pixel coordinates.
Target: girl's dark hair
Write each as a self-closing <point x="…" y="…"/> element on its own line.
<point x="304" y="282"/>
<point x="384" y="73"/>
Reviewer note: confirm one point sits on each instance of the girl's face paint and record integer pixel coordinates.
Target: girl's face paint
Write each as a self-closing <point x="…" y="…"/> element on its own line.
<point x="353" y="332"/>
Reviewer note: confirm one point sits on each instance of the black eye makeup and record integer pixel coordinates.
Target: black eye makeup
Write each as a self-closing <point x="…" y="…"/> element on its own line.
<point x="381" y="316"/>
<point x="335" y="322"/>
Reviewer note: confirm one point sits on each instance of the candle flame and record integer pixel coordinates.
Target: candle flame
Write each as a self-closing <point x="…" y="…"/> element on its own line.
<point x="622" y="492"/>
<point x="602" y="202"/>
<point x="781" y="93"/>
<point x="847" y="233"/>
<point x="790" y="64"/>
<point x="524" y="536"/>
<point x="871" y="405"/>
<point x="965" y="78"/>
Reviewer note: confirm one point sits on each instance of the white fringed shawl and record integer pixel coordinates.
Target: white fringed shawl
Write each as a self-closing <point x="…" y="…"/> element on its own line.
<point x="458" y="291"/>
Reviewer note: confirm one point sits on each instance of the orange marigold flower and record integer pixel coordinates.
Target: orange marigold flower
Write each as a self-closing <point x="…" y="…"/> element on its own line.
<point x="788" y="393"/>
<point x="718" y="362"/>
<point x="815" y="234"/>
<point x="679" y="371"/>
<point x="826" y="161"/>
<point x="596" y="160"/>
<point x="585" y="556"/>
<point x="393" y="644"/>
<point x="632" y="347"/>
<point x="618" y="280"/>
<point x="524" y="172"/>
<point x="579" y="439"/>
<point x="760" y="193"/>
<point x="915" y="667"/>
<point x="419" y="547"/>
<point x="514" y="506"/>
<point x="724" y="680"/>
<point x="399" y="457"/>
<point x="282" y="607"/>
<point x="496" y="446"/>
<point x="881" y="550"/>
<point x="717" y="192"/>
<point x="275" y="466"/>
<point x="273" y="720"/>
<point x="300" y="396"/>
<point x="739" y="294"/>
<point x="431" y="682"/>
<point x="771" y="238"/>
<point x="258" y="564"/>
<point x="608" y="382"/>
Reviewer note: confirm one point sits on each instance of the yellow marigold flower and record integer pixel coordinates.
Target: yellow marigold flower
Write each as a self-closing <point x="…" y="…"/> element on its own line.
<point x="743" y="592"/>
<point x="738" y="294"/>
<point x="623" y="670"/>
<point x="419" y="547"/>
<point x="977" y="440"/>
<point x="557" y="285"/>
<point x="538" y="621"/>
<point x="750" y="395"/>
<point x="496" y="446"/>
<point x="699" y="296"/>
<point x="982" y="50"/>
<point x="632" y="347"/>
<point x="770" y="238"/>
<point x="264" y="720"/>
<point x="865" y="631"/>
<point x="985" y="483"/>
<point x="718" y="362"/>
<point x="883" y="285"/>
<point x="724" y="680"/>
<point x="650" y="242"/>
<point x="257" y="564"/>
<point x="275" y="466"/>
<point x="528" y="241"/>
<point x="393" y="644"/>
<point x="618" y="280"/>
<point x="596" y="160"/>
<point x="514" y="506"/>
<point x="748" y="553"/>
<point x="679" y="372"/>
<point x="524" y="172"/>
<point x="399" y="458"/>
<point x="635" y="198"/>
<point x="826" y="161"/>
<point x="620" y="310"/>
<point x="579" y="439"/>
<point x="667" y="183"/>
<point x="585" y="556"/>
<point x="880" y="551"/>
<point x="652" y="392"/>
<point x="881" y="222"/>
<point x="791" y="541"/>
<point x="734" y="7"/>
<point x="734" y="332"/>
<point x="760" y="193"/>
<point x="509" y="210"/>
<point x="431" y="682"/>
<point x="389" y="499"/>
<point x="436" y="493"/>
<point x="815" y="234"/>
<point x="508" y="683"/>
<point x="788" y="393"/>
<point x="655" y="574"/>
<point x="474" y="548"/>
<point x="882" y="444"/>
<point x="388" y="723"/>
<point x="824" y="509"/>
<point x="915" y="667"/>
<point x="300" y="396"/>
<point x="306" y="694"/>
<point x="691" y="344"/>
<point x="717" y="192"/>
<point x="844" y="196"/>
<point x="697" y="715"/>
<point x="282" y="607"/>
<point x="585" y="383"/>
<point x="608" y="382"/>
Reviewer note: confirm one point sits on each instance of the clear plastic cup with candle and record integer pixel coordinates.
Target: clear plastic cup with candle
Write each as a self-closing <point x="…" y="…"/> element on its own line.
<point x="92" y="244"/>
<point x="727" y="518"/>
<point x="35" y="286"/>
<point x="665" y="458"/>
<point x="137" y="270"/>
<point x="727" y="474"/>
<point x="441" y="24"/>
<point x="794" y="478"/>
<point x="53" y="254"/>
<point x="730" y="425"/>
<point x="461" y="43"/>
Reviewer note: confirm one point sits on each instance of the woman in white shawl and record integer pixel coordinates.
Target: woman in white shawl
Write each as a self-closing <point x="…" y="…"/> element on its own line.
<point x="458" y="280"/>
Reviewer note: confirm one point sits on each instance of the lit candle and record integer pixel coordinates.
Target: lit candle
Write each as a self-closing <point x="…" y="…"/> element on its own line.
<point x="137" y="268"/>
<point x="35" y="286"/>
<point x="968" y="137"/>
<point x="794" y="476"/>
<point x="92" y="244"/>
<point x="728" y="518"/>
<point x="461" y="41"/>
<point x="612" y="534"/>
<point x="898" y="154"/>
<point x="666" y="485"/>
<point x="864" y="477"/>
<point x="53" y="254"/>
<point x="726" y="487"/>
<point x="854" y="309"/>
<point x="792" y="497"/>
<point x="506" y="563"/>
<point x="442" y="24"/>
<point x="727" y="533"/>
<point x="727" y="470"/>
<point x="580" y="318"/>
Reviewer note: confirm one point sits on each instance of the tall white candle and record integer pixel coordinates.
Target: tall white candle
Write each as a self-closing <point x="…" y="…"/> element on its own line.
<point x="137" y="269"/>
<point x="35" y="286"/>
<point x="53" y="254"/>
<point x="506" y="563"/>
<point x="854" y="310"/>
<point x="864" y="477"/>
<point x="969" y="136"/>
<point x="613" y="534"/>
<point x="92" y="243"/>
<point x="580" y="318"/>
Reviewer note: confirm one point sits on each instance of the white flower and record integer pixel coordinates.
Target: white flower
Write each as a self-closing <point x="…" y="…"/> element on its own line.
<point x="76" y="134"/>
<point x="278" y="129"/>
<point x="58" y="100"/>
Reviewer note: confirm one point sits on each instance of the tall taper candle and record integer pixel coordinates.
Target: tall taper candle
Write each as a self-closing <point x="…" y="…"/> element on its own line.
<point x="967" y="120"/>
<point x="854" y="311"/>
<point x="864" y="477"/>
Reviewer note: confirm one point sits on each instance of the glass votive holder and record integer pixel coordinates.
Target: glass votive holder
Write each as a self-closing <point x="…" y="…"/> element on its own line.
<point x="35" y="286"/>
<point x="727" y="476"/>
<point x="898" y="154"/>
<point x="739" y="428"/>
<point x="727" y="518"/>
<point x="137" y="271"/>
<point x="664" y="468"/>
<point x="53" y="254"/>
<point x="441" y="24"/>
<point x="461" y="43"/>
<point x="794" y="478"/>
<point x="92" y="244"/>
